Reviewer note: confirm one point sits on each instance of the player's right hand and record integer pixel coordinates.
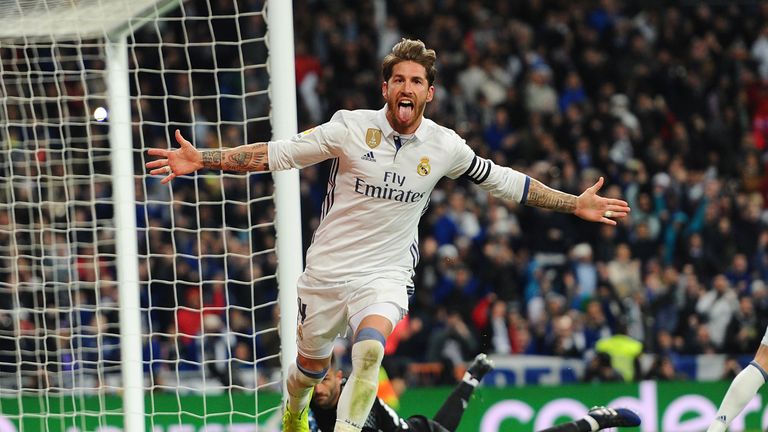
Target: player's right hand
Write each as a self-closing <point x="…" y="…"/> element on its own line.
<point x="184" y="160"/>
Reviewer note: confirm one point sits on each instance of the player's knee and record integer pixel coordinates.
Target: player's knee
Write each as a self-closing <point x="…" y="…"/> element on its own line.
<point x="301" y="377"/>
<point x="370" y="333"/>
<point x="368" y="351"/>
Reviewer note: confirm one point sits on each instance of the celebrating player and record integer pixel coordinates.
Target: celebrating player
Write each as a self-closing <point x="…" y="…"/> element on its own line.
<point x="384" y="419"/>
<point x="385" y="164"/>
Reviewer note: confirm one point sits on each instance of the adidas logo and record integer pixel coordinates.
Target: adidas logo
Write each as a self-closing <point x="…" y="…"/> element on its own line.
<point x="369" y="157"/>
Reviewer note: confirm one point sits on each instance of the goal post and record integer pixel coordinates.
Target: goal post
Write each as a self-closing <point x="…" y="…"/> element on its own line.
<point x="126" y="239"/>
<point x="125" y="303"/>
<point x="283" y="95"/>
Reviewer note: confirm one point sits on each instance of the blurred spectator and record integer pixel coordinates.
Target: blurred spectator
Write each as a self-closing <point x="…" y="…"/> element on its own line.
<point x="624" y="272"/>
<point x="738" y="274"/>
<point x="599" y="369"/>
<point x="584" y="272"/>
<point x="660" y="290"/>
<point x="624" y="353"/>
<point x="663" y="369"/>
<point x="760" y="52"/>
<point x="496" y="334"/>
<point x="540" y="96"/>
<point x="743" y="333"/>
<point x="566" y="340"/>
<point x="573" y="92"/>
<point x="731" y="369"/>
<point x="308" y="73"/>
<point x="716" y="307"/>
<point x="453" y="344"/>
<point x="595" y="324"/>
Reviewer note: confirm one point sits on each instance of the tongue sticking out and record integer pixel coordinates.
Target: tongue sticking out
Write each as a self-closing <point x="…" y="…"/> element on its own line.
<point x="404" y="112"/>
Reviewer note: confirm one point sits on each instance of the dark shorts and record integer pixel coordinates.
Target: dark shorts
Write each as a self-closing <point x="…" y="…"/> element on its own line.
<point x="420" y="423"/>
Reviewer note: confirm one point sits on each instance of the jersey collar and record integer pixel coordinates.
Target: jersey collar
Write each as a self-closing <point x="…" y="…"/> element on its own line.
<point x="386" y="129"/>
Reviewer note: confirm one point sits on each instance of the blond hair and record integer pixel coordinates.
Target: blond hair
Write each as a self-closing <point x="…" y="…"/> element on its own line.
<point x="410" y="50"/>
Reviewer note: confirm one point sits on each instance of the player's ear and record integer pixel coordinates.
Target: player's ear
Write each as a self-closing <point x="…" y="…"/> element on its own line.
<point x="430" y="93"/>
<point x="384" y="89"/>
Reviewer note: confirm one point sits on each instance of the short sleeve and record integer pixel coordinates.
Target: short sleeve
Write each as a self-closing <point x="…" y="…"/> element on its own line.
<point x="463" y="157"/>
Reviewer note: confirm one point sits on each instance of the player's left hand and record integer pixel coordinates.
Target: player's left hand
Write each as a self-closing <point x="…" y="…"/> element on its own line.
<point x="592" y="207"/>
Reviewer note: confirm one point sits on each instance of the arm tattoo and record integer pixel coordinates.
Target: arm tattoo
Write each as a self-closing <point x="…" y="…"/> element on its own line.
<point x="545" y="197"/>
<point x="250" y="157"/>
<point x="212" y="159"/>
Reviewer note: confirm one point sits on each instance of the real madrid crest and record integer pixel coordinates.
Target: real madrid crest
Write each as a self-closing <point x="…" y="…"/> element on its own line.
<point x="299" y="332"/>
<point x="373" y="137"/>
<point x="423" y="167"/>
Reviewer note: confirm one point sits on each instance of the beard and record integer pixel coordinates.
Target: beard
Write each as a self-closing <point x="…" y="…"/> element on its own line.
<point x="403" y="118"/>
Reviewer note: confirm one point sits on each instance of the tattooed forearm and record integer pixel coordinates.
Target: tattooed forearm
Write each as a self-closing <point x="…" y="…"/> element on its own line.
<point x="542" y="196"/>
<point x="211" y="159"/>
<point x="251" y="157"/>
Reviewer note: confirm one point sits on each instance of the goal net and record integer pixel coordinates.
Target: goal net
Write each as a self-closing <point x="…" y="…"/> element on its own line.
<point x="125" y="303"/>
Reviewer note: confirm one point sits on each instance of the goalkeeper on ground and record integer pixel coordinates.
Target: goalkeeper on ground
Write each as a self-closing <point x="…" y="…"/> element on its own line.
<point x="322" y="415"/>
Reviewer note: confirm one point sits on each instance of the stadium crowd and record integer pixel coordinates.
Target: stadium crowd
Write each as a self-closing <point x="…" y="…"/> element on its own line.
<point x="669" y="103"/>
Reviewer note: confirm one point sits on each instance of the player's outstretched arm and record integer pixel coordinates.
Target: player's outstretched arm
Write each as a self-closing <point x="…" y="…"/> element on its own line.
<point x="588" y="206"/>
<point x="187" y="159"/>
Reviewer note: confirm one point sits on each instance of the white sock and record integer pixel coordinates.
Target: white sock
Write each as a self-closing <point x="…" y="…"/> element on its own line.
<point x="299" y="386"/>
<point x="593" y="424"/>
<point x="743" y="388"/>
<point x="469" y="379"/>
<point x="359" y="393"/>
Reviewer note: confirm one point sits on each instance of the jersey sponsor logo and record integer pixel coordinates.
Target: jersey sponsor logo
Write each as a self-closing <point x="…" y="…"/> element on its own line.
<point x="423" y="167"/>
<point x="386" y="191"/>
<point x="373" y="137"/>
<point x="369" y="157"/>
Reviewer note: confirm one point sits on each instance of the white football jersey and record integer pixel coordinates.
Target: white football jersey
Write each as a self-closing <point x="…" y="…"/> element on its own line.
<point x="379" y="186"/>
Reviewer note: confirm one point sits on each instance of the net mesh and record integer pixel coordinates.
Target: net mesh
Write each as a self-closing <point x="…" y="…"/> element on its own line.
<point x="206" y="244"/>
<point x="41" y="19"/>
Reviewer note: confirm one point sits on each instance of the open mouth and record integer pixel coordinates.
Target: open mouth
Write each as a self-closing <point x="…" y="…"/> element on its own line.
<point x="405" y="110"/>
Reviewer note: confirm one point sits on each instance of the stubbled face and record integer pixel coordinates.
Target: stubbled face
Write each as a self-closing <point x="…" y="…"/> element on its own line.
<point x="328" y="390"/>
<point x="407" y="92"/>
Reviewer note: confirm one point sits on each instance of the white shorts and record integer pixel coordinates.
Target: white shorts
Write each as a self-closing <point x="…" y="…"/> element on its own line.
<point x="325" y="308"/>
